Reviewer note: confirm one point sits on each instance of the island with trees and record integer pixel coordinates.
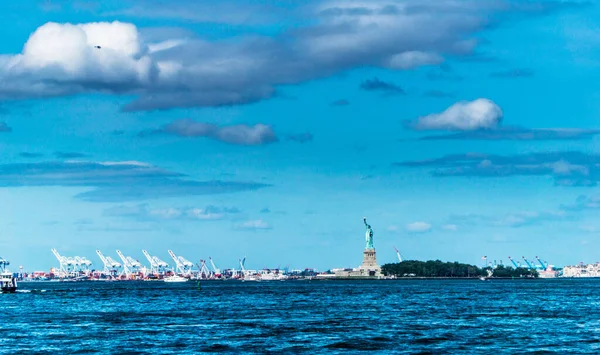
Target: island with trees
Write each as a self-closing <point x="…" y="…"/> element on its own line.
<point x="440" y="269"/>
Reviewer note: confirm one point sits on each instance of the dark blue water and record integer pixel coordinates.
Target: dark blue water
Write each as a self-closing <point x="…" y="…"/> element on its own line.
<point x="318" y="317"/>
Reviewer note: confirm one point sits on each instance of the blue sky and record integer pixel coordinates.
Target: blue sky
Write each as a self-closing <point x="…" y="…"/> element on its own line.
<point x="269" y="129"/>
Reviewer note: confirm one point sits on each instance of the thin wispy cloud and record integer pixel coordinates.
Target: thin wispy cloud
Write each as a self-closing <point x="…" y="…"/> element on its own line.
<point x="516" y="219"/>
<point x="438" y="94"/>
<point x="381" y="86"/>
<point x="116" y="181"/>
<point x="30" y="155"/>
<point x="240" y="134"/>
<point x="253" y="225"/>
<point x="513" y="73"/>
<point x="144" y="212"/>
<point x="481" y="119"/>
<point x="569" y="168"/>
<point x="70" y="155"/>
<point x="300" y="137"/>
<point x="5" y="128"/>
<point x="418" y="227"/>
<point x="519" y="134"/>
<point x="341" y="102"/>
<point x="443" y="73"/>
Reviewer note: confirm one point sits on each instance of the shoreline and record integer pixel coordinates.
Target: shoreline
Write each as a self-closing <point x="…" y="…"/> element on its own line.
<point x="311" y="280"/>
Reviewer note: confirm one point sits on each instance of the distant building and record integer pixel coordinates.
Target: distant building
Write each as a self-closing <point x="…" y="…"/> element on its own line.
<point x="582" y="270"/>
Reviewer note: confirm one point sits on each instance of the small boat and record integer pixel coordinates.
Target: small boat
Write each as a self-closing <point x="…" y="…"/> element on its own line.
<point x="269" y="275"/>
<point x="8" y="282"/>
<point x="175" y="278"/>
<point x="251" y="278"/>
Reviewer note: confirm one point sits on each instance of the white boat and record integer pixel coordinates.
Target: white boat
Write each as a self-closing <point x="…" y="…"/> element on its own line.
<point x="8" y="282"/>
<point x="251" y="278"/>
<point x="268" y="275"/>
<point x="175" y="278"/>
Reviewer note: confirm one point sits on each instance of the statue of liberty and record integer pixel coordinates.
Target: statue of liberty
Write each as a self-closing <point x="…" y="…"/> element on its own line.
<point x="368" y="235"/>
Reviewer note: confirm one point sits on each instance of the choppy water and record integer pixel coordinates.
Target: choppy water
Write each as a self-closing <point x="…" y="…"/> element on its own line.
<point x="318" y="317"/>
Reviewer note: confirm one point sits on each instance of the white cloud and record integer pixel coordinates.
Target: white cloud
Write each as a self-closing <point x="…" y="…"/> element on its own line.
<point x="131" y="163"/>
<point x="413" y="59"/>
<point x="162" y="46"/>
<point x="258" y="224"/>
<point x="143" y="212"/>
<point x="63" y="58"/>
<point x="450" y="227"/>
<point x="589" y="229"/>
<point x="392" y="229"/>
<point x="167" y="213"/>
<point x="205" y="214"/>
<point x="524" y="218"/>
<point x="182" y="71"/>
<point x="463" y="116"/>
<point x="418" y="227"/>
<point x="563" y="167"/>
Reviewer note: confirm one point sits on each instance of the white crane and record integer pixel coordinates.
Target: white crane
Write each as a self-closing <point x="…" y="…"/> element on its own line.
<point x="242" y="262"/>
<point x="216" y="270"/>
<point x="111" y="267"/>
<point x="157" y="266"/>
<point x="64" y="268"/>
<point x="130" y="265"/>
<point x="398" y="254"/>
<point x="83" y="264"/>
<point x="204" y="272"/>
<point x="182" y="265"/>
<point x="72" y="266"/>
<point x="246" y="272"/>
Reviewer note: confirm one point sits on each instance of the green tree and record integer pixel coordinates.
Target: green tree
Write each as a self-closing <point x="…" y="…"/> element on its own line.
<point x="437" y="268"/>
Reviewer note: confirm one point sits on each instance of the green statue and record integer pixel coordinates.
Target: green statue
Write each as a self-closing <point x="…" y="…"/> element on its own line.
<point x="368" y="235"/>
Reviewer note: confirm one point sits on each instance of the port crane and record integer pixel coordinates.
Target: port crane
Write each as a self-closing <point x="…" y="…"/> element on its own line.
<point x="157" y="266"/>
<point x="216" y="270"/>
<point x="242" y="262"/>
<point x="72" y="266"/>
<point x="130" y="265"/>
<point x="204" y="272"/>
<point x="82" y="264"/>
<point x="398" y="255"/>
<point x="544" y="267"/>
<point x="528" y="264"/>
<point x="182" y="265"/>
<point x="111" y="266"/>
<point x="245" y="272"/>
<point x="65" y="263"/>
<point x="514" y="263"/>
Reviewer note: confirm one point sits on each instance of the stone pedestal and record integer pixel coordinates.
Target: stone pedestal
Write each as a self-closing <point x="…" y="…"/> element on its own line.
<point x="369" y="259"/>
<point x="369" y="265"/>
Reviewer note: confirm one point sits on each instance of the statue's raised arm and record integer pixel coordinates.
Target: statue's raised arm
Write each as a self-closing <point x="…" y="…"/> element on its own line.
<point x="365" y="220"/>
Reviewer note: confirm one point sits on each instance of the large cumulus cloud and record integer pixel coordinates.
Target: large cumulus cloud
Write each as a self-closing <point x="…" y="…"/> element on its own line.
<point x="463" y="116"/>
<point x="62" y="59"/>
<point x="481" y="119"/>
